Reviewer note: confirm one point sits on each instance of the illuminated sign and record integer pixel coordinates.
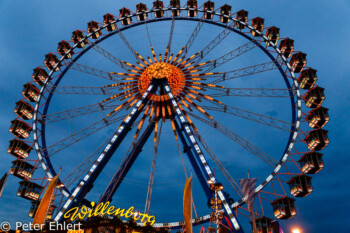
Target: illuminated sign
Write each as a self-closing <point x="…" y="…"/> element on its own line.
<point x="105" y="209"/>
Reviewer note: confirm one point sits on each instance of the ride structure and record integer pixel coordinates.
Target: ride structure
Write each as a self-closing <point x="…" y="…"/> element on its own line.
<point x="183" y="90"/>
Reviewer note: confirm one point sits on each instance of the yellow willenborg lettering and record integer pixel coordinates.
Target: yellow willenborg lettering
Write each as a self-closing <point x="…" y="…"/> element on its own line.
<point x="105" y="209"/>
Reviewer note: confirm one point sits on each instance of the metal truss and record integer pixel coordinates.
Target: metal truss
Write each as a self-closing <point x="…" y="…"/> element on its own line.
<point x="192" y="38"/>
<point x="126" y="42"/>
<point x="75" y="112"/>
<point x="229" y="56"/>
<point x="204" y="52"/>
<point x="251" y="116"/>
<point x="109" y="56"/>
<point x="81" y="134"/>
<point x="221" y="167"/>
<point x="239" y="140"/>
<point x="251" y="92"/>
<point x="86" y="90"/>
<point x="92" y="71"/>
<point x="263" y="67"/>
<point x="168" y="49"/>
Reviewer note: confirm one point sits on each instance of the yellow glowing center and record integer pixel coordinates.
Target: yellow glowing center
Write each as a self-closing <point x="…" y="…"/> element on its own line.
<point x="159" y="70"/>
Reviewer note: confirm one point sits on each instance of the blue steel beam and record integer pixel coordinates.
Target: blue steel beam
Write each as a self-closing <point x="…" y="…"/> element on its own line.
<point x="199" y="154"/>
<point x="197" y="170"/>
<point x="125" y="167"/>
<point x="86" y="183"/>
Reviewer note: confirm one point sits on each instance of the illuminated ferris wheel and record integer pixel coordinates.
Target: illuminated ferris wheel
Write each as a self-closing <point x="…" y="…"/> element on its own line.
<point x="216" y="84"/>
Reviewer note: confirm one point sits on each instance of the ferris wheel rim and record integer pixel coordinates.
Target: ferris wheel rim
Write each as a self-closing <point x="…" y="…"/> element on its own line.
<point x="296" y="105"/>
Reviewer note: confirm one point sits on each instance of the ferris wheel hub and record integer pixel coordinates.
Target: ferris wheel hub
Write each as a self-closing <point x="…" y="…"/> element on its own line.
<point x="158" y="70"/>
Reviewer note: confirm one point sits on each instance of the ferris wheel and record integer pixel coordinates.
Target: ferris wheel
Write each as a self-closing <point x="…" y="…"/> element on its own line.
<point x="201" y="74"/>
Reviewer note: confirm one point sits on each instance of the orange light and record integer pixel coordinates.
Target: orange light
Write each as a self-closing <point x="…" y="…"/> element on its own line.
<point x="160" y="70"/>
<point x="296" y="230"/>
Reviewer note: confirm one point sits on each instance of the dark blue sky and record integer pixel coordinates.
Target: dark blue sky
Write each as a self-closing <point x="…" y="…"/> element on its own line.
<point x="30" y="29"/>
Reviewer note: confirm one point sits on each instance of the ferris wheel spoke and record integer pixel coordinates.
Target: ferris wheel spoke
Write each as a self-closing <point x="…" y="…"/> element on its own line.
<point x="80" y="135"/>
<point x="126" y="42"/>
<point x="215" y="42"/>
<point x="81" y="169"/>
<point x="259" y="118"/>
<point x="75" y="112"/>
<point x="221" y="167"/>
<point x="192" y="38"/>
<point x="110" y="57"/>
<point x="239" y="140"/>
<point x="153" y="166"/>
<point x="251" y="92"/>
<point x="85" y="90"/>
<point x="168" y="48"/>
<point x="243" y="72"/>
<point x="92" y="71"/>
<point x="230" y="56"/>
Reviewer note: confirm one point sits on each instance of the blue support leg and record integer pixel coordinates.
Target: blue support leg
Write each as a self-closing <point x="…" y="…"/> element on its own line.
<point x="197" y="170"/>
<point x="198" y="152"/>
<point x="128" y="162"/>
<point x="86" y="183"/>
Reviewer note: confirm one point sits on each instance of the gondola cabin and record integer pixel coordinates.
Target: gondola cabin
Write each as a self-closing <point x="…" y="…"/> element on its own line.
<point x="311" y="162"/>
<point x="39" y="76"/>
<point x="300" y="186"/>
<point x="258" y="24"/>
<point x="287" y="47"/>
<point x="20" y="129"/>
<point x="192" y="11"/>
<point x="30" y="92"/>
<point x="209" y="6"/>
<point x="307" y="78"/>
<point x="65" y="48"/>
<point x="107" y="20"/>
<point x="19" y="149"/>
<point x="314" y="97"/>
<point x="317" y="139"/>
<point x="24" y="110"/>
<point x="284" y="208"/>
<point x="263" y="225"/>
<point x="141" y="11"/>
<point x="318" y="117"/>
<point x="33" y="208"/>
<point x="29" y="190"/>
<point x="158" y="9"/>
<point x="175" y="4"/>
<point x="79" y="38"/>
<point x="242" y="16"/>
<point x="94" y="29"/>
<point x="21" y="169"/>
<point x="51" y="61"/>
<point x="298" y="62"/>
<point x="124" y="14"/>
<point x="273" y="33"/>
<point x="225" y="12"/>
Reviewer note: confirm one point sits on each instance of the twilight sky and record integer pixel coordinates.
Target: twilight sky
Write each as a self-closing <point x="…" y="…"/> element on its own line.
<point x="30" y="29"/>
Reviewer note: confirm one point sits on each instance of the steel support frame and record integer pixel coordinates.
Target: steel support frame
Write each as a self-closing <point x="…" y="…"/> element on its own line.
<point x="200" y="157"/>
<point x="47" y="165"/>
<point x="191" y="157"/>
<point x="86" y="183"/>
